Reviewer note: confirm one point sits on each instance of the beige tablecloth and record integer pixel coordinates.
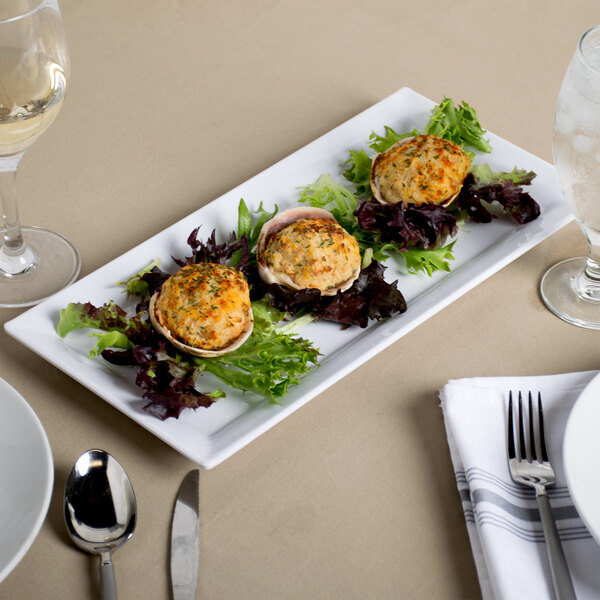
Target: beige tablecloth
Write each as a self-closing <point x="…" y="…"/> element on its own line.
<point x="172" y="104"/>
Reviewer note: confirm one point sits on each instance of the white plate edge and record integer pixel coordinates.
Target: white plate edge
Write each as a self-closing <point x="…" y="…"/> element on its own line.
<point x="47" y="497"/>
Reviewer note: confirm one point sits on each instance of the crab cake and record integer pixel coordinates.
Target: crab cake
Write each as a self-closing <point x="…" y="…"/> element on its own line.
<point x="425" y="169"/>
<point x="205" y="307"/>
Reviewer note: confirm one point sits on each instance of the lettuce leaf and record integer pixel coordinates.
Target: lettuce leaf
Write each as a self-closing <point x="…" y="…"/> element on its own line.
<point x="268" y="362"/>
<point x="426" y="226"/>
<point x="484" y="175"/>
<point x="234" y="250"/>
<point x="271" y="360"/>
<point x="135" y="285"/>
<point x="166" y="377"/>
<point x="476" y="200"/>
<point x="340" y="202"/>
<point x="428" y="261"/>
<point x="111" y="339"/>
<point x="255" y="225"/>
<point x="108" y="317"/>
<point x="358" y="171"/>
<point x="458" y="124"/>
<point x="369" y="298"/>
<point x="381" y="143"/>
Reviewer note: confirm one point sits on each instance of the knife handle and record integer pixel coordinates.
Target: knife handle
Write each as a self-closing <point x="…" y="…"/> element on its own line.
<point x="107" y="578"/>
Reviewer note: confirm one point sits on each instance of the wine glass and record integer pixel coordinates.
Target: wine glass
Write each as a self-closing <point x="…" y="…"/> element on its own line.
<point x="34" y="66"/>
<point x="571" y="288"/>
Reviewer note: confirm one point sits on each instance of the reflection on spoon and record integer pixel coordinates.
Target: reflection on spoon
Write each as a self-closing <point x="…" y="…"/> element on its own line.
<point x="100" y="510"/>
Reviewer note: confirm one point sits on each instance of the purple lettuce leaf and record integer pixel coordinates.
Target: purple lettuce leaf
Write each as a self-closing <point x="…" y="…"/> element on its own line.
<point x="155" y="278"/>
<point x="514" y="201"/>
<point x="167" y="380"/>
<point x="370" y="297"/>
<point x="294" y="302"/>
<point x="234" y="251"/>
<point x="426" y="226"/>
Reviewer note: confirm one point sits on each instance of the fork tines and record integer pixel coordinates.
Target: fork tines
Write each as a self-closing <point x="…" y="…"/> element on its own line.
<point x="525" y="452"/>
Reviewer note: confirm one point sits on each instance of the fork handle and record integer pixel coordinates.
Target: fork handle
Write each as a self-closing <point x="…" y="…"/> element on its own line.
<point x="563" y="585"/>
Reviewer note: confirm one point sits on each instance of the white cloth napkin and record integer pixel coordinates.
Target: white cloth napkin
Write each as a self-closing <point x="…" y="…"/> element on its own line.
<point x="502" y="518"/>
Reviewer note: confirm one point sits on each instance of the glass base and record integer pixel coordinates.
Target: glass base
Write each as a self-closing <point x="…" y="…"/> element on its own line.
<point x="56" y="265"/>
<point x="561" y="291"/>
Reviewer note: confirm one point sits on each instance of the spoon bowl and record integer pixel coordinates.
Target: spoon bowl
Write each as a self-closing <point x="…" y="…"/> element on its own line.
<point x="100" y="510"/>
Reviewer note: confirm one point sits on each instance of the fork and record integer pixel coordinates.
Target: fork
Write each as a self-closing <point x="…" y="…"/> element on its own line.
<point x="538" y="474"/>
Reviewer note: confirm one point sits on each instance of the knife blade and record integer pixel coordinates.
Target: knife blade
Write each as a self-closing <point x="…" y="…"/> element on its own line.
<point x="185" y="542"/>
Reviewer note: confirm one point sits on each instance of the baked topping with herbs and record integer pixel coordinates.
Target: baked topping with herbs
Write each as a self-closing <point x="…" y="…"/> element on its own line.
<point x="425" y="169"/>
<point x="311" y="252"/>
<point x="205" y="306"/>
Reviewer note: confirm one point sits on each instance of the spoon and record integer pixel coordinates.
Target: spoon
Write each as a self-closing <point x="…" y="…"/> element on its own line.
<point x="100" y="510"/>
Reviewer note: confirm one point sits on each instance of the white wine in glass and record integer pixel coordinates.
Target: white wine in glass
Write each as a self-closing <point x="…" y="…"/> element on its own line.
<point x="571" y="288"/>
<point x="34" y="67"/>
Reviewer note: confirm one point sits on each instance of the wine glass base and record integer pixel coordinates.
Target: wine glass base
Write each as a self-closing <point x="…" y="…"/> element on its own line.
<point x="57" y="264"/>
<point x="559" y="287"/>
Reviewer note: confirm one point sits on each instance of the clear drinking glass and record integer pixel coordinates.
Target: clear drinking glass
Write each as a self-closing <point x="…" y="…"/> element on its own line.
<point x="34" y="67"/>
<point x="571" y="288"/>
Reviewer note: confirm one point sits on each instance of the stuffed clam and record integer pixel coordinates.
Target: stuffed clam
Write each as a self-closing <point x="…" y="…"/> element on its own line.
<point x="307" y="248"/>
<point x="203" y="309"/>
<point x="424" y="169"/>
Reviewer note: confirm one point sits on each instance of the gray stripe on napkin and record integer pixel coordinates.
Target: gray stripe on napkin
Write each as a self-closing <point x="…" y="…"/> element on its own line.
<point x="475" y="500"/>
<point x="524" y="514"/>
<point x="519" y="491"/>
<point x="530" y="535"/>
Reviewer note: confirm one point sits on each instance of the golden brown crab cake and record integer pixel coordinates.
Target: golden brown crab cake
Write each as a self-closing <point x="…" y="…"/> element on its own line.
<point x="425" y="169"/>
<point x="310" y="252"/>
<point x="204" y="306"/>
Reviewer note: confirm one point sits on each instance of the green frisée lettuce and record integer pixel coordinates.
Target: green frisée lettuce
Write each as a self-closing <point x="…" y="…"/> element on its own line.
<point x="458" y="124"/>
<point x="358" y="171"/>
<point x="484" y="175"/>
<point x="273" y="358"/>
<point x="340" y="202"/>
<point x="381" y="143"/>
<point x="429" y="261"/>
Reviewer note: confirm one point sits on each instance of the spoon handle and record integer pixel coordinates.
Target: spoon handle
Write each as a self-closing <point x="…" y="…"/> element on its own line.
<point x="107" y="578"/>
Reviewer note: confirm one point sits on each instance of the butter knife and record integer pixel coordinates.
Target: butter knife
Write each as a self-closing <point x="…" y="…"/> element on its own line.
<point x="185" y="542"/>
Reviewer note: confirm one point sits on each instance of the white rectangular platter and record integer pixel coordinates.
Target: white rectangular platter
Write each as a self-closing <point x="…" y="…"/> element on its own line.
<point x="209" y="436"/>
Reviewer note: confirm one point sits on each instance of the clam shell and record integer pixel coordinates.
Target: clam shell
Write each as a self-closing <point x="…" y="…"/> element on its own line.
<point x="375" y="167"/>
<point x="154" y="319"/>
<point x="276" y="224"/>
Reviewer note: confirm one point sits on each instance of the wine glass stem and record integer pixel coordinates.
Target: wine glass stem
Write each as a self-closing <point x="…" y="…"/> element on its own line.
<point x="587" y="284"/>
<point x="12" y="239"/>
<point x="15" y="256"/>
<point x="592" y="268"/>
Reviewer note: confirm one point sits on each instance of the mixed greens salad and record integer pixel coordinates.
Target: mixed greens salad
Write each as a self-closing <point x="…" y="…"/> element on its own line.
<point x="275" y="356"/>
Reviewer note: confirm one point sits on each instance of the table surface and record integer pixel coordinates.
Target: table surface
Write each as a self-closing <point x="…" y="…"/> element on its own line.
<point x="171" y="104"/>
